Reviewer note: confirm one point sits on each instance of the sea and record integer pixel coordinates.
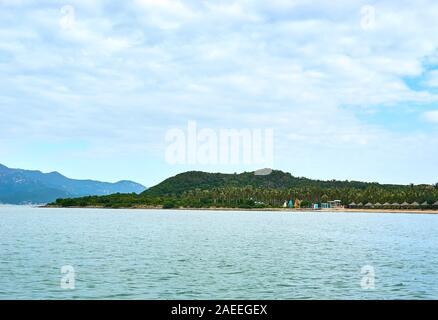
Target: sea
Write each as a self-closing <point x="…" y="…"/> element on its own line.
<point x="48" y="253"/>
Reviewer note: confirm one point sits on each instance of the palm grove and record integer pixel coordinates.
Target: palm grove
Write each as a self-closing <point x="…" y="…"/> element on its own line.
<point x="246" y="190"/>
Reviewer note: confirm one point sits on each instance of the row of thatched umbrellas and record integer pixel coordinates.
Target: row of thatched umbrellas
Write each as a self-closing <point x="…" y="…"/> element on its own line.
<point x="404" y="204"/>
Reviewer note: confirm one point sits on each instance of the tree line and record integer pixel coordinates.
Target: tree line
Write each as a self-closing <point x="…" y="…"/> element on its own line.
<point x="254" y="197"/>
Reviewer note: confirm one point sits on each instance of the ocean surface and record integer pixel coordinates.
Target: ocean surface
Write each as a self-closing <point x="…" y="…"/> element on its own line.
<point x="164" y="254"/>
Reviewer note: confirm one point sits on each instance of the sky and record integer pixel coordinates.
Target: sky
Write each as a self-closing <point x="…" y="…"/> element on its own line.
<point x="350" y="88"/>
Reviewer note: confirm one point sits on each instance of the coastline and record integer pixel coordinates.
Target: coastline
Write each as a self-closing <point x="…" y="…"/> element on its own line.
<point x="294" y="210"/>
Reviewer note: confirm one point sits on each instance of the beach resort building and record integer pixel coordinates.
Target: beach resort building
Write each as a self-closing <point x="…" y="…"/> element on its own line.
<point x="332" y="204"/>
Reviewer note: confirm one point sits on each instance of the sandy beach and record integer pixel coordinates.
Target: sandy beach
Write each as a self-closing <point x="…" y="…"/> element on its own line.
<point x="302" y="210"/>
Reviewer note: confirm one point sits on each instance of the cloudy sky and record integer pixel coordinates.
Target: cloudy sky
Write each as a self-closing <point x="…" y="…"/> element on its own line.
<point x="350" y="88"/>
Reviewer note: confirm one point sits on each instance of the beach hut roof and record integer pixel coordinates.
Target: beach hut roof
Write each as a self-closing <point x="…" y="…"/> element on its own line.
<point x="405" y="204"/>
<point x="415" y="204"/>
<point x="386" y="204"/>
<point x="369" y="204"/>
<point x="352" y="204"/>
<point x="378" y="204"/>
<point x="425" y="203"/>
<point x="396" y="204"/>
<point x="360" y="204"/>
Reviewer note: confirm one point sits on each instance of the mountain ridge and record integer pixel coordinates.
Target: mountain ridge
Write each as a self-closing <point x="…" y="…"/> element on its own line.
<point x="20" y="186"/>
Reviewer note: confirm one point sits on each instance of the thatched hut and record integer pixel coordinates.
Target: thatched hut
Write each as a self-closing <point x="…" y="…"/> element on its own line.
<point x="415" y="204"/>
<point x="395" y="204"/>
<point x="435" y="204"/>
<point x="425" y="204"/>
<point x="405" y="204"/>
<point x="360" y="204"/>
<point x="369" y="205"/>
<point x="378" y="204"/>
<point x="352" y="205"/>
<point x="387" y="205"/>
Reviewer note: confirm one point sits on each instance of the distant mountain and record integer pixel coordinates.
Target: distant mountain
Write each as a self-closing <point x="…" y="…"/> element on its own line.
<point x="18" y="186"/>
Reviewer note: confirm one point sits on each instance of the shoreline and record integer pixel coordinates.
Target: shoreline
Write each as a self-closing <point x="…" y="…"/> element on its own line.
<point x="303" y="210"/>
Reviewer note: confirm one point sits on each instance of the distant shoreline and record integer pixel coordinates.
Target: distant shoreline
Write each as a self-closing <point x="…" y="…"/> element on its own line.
<point x="302" y="210"/>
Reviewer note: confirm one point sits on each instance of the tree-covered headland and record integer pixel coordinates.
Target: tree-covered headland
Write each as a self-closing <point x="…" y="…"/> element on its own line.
<point x="196" y="189"/>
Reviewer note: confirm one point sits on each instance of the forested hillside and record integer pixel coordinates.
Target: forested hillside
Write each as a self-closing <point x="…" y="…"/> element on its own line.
<point x="200" y="189"/>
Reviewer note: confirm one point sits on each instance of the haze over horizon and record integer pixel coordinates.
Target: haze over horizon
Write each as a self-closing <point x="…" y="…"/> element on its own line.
<point x="90" y="89"/>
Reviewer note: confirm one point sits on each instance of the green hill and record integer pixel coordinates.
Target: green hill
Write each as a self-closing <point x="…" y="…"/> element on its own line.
<point x="193" y="180"/>
<point x="196" y="189"/>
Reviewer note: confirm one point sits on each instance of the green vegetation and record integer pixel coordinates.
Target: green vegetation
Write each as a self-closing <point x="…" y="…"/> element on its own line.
<point x="246" y="190"/>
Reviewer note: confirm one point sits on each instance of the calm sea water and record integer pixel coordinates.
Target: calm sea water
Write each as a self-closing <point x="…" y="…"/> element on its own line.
<point x="146" y="254"/>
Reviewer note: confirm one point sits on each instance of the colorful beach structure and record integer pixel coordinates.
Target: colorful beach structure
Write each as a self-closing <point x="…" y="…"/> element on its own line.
<point x="335" y="204"/>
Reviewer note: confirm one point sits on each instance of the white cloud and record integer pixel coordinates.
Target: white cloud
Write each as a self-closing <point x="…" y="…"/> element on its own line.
<point x="125" y="72"/>
<point x="431" y="116"/>
<point x="432" y="79"/>
<point x="165" y="14"/>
